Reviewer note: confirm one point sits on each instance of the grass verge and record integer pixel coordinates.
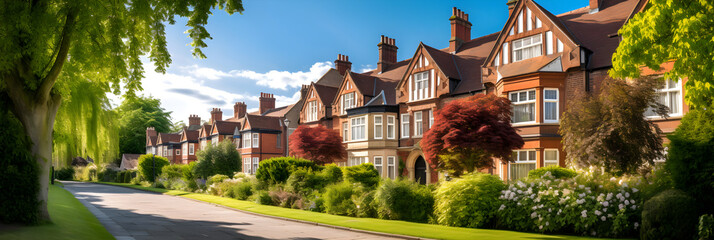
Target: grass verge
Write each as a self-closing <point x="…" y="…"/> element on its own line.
<point x="370" y="224"/>
<point x="70" y="220"/>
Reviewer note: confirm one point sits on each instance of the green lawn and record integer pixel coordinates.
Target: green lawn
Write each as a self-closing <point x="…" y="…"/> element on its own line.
<point x="70" y="220"/>
<point x="371" y="224"/>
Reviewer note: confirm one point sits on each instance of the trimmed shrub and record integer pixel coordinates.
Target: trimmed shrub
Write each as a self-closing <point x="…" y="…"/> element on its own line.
<point x="223" y="158"/>
<point x="150" y="166"/>
<point x="364" y="173"/>
<point x="556" y="171"/>
<point x="338" y="199"/>
<point x="332" y="173"/>
<point x="706" y="227"/>
<point x="242" y="190"/>
<point x="107" y="175"/>
<point x="18" y="173"/>
<point x="689" y="157"/>
<point x="263" y="198"/>
<point x="365" y="205"/>
<point x="672" y="214"/>
<point x="173" y="171"/>
<point x="470" y="201"/>
<point x="66" y="173"/>
<point x="404" y="200"/>
<point x="218" y="178"/>
<point x="277" y="170"/>
<point x="189" y="177"/>
<point x="304" y="181"/>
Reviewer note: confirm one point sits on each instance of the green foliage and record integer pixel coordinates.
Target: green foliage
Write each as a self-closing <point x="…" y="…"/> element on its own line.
<point x="556" y="171"/>
<point x="18" y="173"/>
<point x="106" y="174"/>
<point x="669" y="215"/>
<point x="136" y="113"/>
<point x="150" y="166"/>
<point x="404" y="200"/>
<point x="285" y="199"/>
<point x="608" y="130"/>
<point x="188" y="176"/>
<point x="471" y="201"/>
<point x="332" y="173"/>
<point x="172" y="171"/>
<point x="657" y="181"/>
<point x="263" y="198"/>
<point x="66" y="173"/>
<point x="305" y="181"/>
<point x="221" y="159"/>
<point x="277" y="170"/>
<point x="366" y="206"/>
<point x="678" y="31"/>
<point x="690" y="157"/>
<point x="706" y="227"/>
<point x="242" y="190"/>
<point x="218" y="178"/>
<point x="364" y="174"/>
<point x="338" y="199"/>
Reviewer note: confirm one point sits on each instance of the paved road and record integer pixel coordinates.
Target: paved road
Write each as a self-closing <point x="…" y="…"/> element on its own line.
<point x="134" y="214"/>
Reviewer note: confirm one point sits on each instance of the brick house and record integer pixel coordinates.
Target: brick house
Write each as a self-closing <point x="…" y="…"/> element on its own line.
<point x="151" y="137"/>
<point x="319" y="95"/>
<point x="168" y="146"/>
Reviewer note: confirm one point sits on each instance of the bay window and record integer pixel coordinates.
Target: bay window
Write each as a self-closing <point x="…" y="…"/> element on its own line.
<point x="550" y="105"/>
<point x="527" y="47"/>
<point x="246" y="165"/>
<point x="378" y="164"/>
<point x="354" y="161"/>
<point x="255" y="140"/>
<point x="523" y="106"/>
<point x="523" y="162"/>
<point x="378" y="127"/>
<point x="391" y="168"/>
<point x="418" y="126"/>
<point x="550" y="157"/>
<point x="191" y="150"/>
<point x="359" y="128"/>
<point x="348" y="101"/>
<point x="256" y="162"/>
<point x="246" y="140"/>
<point x="390" y="127"/>
<point x="669" y="95"/>
<point x="405" y="125"/>
<point x="345" y="132"/>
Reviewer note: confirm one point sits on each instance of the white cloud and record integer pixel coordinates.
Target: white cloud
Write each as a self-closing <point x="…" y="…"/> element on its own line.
<point x="366" y="68"/>
<point x="206" y="73"/>
<point x="273" y="79"/>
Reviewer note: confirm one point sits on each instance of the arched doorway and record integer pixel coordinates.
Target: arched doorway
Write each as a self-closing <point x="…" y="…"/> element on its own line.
<point x="420" y="170"/>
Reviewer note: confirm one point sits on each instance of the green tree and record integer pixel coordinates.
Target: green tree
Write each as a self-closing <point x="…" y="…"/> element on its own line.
<point x="221" y="159"/>
<point x="136" y="113"/>
<point x="177" y="126"/>
<point x="48" y="45"/>
<point x="150" y="166"/>
<point x="609" y="130"/>
<point x="679" y="31"/>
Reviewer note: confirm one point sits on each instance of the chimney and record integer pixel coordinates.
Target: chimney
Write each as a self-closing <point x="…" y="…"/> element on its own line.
<point x="150" y="132"/>
<point x="194" y="120"/>
<point x="267" y="102"/>
<point x="460" y="29"/>
<point x="387" y="53"/>
<point x="239" y="110"/>
<point x="343" y="64"/>
<point x="512" y="6"/>
<point x="216" y="115"/>
<point x="595" y="5"/>
<point x="303" y="91"/>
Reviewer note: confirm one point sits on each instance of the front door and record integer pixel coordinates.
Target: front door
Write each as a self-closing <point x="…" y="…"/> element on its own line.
<point x="420" y="170"/>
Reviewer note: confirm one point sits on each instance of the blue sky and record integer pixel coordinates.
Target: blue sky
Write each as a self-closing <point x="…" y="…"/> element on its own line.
<point x="275" y="46"/>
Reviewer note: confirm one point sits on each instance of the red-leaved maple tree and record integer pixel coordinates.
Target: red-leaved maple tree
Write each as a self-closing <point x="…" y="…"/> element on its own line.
<point x="318" y="144"/>
<point x="468" y="133"/>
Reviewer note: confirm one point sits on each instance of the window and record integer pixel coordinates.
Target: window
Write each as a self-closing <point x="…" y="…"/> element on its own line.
<point x="523" y="162"/>
<point x="215" y="140"/>
<point x="550" y="105"/>
<point x="191" y="150"/>
<point x="529" y="23"/>
<point x="505" y="53"/>
<point x="255" y="140"/>
<point x="418" y="126"/>
<point x="246" y="165"/>
<point x="548" y="42"/>
<point x="378" y="164"/>
<point x="165" y="152"/>
<point x="378" y="127"/>
<point x="421" y="86"/>
<point x="359" y="128"/>
<point x="185" y="147"/>
<point x="520" y="22"/>
<point x="345" y="132"/>
<point x="671" y="96"/>
<point x="405" y="125"/>
<point x="256" y="162"/>
<point x="527" y="47"/>
<point x="277" y="141"/>
<point x="246" y="140"/>
<point x="354" y="161"/>
<point x="348" y="101"/>
<point x="391" y="168"/>
<point x="523" y="106"/>
<point x="311" y="114"/>
<point x="431" y="118"/>
<point x="550" y="157"/>
<point x="204" y="143"/>
<point x="178" y="152"/>
<point x="560" y="46"/>
<point x="390" y="127"/>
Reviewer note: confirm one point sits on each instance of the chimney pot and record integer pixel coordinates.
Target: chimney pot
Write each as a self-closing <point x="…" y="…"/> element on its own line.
<point x="343" y="64"/>
<point x="460" y="29"/>
<point x="267" y="102"/>
<point x="387" y="53"/>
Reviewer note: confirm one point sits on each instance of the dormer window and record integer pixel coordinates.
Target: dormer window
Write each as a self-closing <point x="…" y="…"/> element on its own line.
<point x="527" y="47"/>
<point x="348" y="101"/>
<point x="421" y="88"/>
<point x="311" y="111"/>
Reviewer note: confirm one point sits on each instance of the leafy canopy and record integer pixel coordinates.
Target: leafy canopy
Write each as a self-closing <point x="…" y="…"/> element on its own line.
<point x="609" y="130"/>
<point x="135" y="115"/>
<point x="150" y="166"/>
<point x="468" y="133"/>
<point x="679" y="31"/>
<point x="318" y="144"/>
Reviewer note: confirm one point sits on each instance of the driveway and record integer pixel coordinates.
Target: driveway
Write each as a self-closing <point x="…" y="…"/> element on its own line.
<point x="134" y="214"/>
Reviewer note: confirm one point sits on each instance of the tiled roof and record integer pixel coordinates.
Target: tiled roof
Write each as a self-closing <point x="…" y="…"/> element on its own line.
<point x="129" y="161"/>
<point x="263" y="122"/>
<point x="168" y="138"/>
<point x="326" y="93"/>
<point x="205" y="130"/>
<point x="224" y="127"/>
<point x="332" y="78"/>
<point x="191" y="135"/>
<point x="152" y="140"/>
<point x="278" y="112"/>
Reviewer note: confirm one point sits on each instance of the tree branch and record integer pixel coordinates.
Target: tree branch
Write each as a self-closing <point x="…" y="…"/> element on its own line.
<point x="49" y="81"/>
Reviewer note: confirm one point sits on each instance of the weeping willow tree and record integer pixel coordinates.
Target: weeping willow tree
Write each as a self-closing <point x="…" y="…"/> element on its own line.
<point x="85" y="126"/>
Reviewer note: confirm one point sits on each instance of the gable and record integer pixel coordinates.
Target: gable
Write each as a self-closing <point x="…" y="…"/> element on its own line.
<point x="347" y="86"/>
<point x="423" y="61"/>
<point x="311" y="96"/>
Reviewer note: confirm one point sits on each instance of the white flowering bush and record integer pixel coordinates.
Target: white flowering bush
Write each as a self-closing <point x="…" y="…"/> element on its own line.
<point x="588" y="204"/>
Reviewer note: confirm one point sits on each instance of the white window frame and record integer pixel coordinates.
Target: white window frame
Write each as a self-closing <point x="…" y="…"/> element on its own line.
<point x="191" y="149"/>
<point x="246" y="140"/>
<point x="348" y="101"/>
<point x="418" y="124"/>
<point x="421" y="85"/>
<point x="557" y="105"/>
<point x="358" y="128"/>
<point x="431" y="118"/>
<point x="668" y="90"/>
<point x="311" y="114"/>
<point x="520" y="22"/>
<point x="278" y="140"/>
<point x="404" y="126"/>
<point x="184" y="148"/>
<point x="559" y="46"/>
<point x="256" y="140"/>
<point x="548" y="42"/>
<point x="345" y="132"/>
<point x="529" y="23"/>
<point x="378" y="127"/>
<point x="530" y="47"/>
<point x="178" y="152"/>
<point x="550" y="162"/>
<point x="246" y="165"/>
<point x="525" y="102"/>
<point x="518" y="160"/>
<point x="379" y="165"/>
<point x="255" y="165"/>
<point x="391" y="133"/>
<point x="391" y="162"/>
